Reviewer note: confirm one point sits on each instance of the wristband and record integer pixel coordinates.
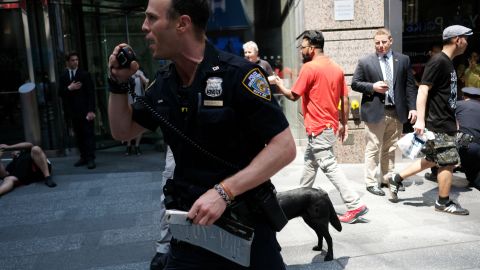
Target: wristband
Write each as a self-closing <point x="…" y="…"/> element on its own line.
<point x="228" y="191"/>
<point x="223" y="194"/>
<point x="118" y="88"/>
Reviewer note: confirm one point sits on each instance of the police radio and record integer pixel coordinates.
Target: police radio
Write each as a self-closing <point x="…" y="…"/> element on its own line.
<point x="125" y="56"/>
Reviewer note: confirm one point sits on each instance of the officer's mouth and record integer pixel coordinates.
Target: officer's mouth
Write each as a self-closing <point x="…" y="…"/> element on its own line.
<point x="150" y="43"/>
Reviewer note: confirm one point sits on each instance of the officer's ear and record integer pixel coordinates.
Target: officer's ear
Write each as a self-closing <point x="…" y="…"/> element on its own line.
<point x="184" y="22"/>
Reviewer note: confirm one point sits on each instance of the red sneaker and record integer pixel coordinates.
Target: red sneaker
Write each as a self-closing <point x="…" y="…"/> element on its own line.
<point x="352" y="215"/>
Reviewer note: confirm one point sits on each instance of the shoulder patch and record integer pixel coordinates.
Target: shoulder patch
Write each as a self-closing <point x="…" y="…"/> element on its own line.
<point x="256" y="83"/>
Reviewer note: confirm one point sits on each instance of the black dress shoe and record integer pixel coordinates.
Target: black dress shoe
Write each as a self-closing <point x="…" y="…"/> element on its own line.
<point x="80" y="162"/>
<point x="376" y="191"/>
<point x="159" y="261"/>
<point x="91" y="164"/>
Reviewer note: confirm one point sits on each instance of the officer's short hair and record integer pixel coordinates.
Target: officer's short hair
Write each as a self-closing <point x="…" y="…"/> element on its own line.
<point x="197" y="10"/>
<point x="250" y="44"/>
<point x="315" y="38"/>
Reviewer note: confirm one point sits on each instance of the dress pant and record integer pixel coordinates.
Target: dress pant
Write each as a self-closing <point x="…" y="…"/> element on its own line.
<point x="319" y="154"/>
<point x="381" y="142"/>
<point x="85" y="137"/>
<point x="469" y="157"/>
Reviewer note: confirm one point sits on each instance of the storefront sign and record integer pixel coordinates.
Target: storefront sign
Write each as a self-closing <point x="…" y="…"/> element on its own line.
<point x="344" y="10"/>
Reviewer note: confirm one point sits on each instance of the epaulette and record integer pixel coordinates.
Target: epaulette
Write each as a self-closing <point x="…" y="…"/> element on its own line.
<point x="231" y="59"/>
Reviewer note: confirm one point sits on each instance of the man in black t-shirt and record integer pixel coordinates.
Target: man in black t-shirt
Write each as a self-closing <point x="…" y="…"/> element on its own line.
<point x="436" y="103"/>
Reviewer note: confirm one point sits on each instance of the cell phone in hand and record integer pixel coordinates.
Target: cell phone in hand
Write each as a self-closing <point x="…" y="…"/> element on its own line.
<point x="125" y="56"/>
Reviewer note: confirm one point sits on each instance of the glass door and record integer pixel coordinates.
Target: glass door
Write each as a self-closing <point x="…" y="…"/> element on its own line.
<point x="13" y="72"/>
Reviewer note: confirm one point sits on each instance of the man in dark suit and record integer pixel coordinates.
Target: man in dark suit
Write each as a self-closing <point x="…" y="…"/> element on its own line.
<point x="78" y="94"/>
<point x="389" y="99"/>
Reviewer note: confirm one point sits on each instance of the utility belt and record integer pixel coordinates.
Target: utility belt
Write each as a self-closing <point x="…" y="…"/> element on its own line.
<point x="257" y="205"/>
<point x="464" y="139"/>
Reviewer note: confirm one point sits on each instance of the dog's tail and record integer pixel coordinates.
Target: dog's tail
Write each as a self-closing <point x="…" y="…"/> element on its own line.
<point x="333" y="217"/>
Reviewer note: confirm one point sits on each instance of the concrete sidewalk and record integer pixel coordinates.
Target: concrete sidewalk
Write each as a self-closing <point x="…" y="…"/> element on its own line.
<point x="404" y="235"/>
<point x="107" y="219"/>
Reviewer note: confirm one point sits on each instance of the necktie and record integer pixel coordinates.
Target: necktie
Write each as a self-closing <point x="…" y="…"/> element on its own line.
<point x="71" y="75"/>
<point x="389" y="79"/>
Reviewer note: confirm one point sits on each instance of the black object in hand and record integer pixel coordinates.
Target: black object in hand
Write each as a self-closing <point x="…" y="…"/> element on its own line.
<point x="125" y="56"/>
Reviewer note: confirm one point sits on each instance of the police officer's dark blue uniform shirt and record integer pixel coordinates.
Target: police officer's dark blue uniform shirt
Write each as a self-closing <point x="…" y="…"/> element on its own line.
<point x="228" y="110"/>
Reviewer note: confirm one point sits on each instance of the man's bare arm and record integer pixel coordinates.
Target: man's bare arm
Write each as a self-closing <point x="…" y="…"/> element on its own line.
<point x="285" y="91"/>
<point x="279" y="152"/>
<point x="120" y="118"/>
<point x="422" y="95"/>
<point x="119" y="111"/>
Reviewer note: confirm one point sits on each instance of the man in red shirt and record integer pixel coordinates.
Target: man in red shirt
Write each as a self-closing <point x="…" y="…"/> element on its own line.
<point x="321" y="83"/>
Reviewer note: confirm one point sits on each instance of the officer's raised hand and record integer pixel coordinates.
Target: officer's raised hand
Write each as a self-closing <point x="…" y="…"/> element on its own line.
<point x="122" y="67"/>
<point x="208" y="208"/>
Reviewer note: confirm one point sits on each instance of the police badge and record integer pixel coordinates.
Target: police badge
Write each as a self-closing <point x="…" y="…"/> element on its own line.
<point x="214" y="87"/>
<point x="213" y="90"/>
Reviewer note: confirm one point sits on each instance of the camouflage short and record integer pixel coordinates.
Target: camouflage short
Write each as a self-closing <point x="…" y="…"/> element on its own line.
<point x="442" y="150"/>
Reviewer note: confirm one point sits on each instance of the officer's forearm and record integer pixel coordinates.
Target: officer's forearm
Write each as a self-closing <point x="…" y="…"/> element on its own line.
<point x="279" y="152"/>
<point x="120" y="117"/>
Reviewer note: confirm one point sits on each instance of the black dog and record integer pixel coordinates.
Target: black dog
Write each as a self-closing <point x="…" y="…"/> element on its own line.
<point x="316" y="209"/>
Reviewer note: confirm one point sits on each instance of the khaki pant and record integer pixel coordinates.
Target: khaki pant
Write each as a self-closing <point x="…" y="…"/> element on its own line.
<point x="381" y="142"/>
<point x="319" y="154"/>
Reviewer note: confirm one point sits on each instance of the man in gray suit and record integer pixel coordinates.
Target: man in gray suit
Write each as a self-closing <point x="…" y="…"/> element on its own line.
<point x="389" y="94"/>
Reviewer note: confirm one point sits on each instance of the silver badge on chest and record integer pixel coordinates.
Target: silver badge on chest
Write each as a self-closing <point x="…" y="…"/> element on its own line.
<point x="214" y="87"/>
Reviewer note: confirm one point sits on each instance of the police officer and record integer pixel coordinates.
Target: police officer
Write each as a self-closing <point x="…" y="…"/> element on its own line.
<point x="468" y="113"/>
<point x="223" y="103"/>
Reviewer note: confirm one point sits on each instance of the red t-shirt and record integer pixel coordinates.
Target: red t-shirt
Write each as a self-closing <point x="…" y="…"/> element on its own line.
<point x="321" y="83"/>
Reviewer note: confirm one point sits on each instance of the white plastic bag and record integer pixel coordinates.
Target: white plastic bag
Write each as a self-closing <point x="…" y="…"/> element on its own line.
<point x="411" y="144"/>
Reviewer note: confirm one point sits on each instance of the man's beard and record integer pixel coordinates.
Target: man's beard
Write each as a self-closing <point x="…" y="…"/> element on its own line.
<point x="306" y="58"/>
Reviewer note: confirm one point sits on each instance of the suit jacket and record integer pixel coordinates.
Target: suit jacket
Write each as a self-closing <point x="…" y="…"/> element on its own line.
<point x="77" y="103"/>
<point x="368" y="71"/>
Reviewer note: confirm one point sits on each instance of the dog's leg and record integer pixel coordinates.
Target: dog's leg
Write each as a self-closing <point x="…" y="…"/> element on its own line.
<point x="319" y="246"/>
<point x="315" y="225"/>
<point x="322" y="232"/>
<point x="328" y="238"/>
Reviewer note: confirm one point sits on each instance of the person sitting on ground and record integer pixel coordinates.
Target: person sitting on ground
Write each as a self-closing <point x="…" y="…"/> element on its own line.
<point x="29" y="164"/>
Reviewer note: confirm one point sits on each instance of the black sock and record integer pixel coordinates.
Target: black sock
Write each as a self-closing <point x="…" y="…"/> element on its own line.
<point x="443" y="200"/>
<point x="49" y="182"/>
<point x="397" y="178"/>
